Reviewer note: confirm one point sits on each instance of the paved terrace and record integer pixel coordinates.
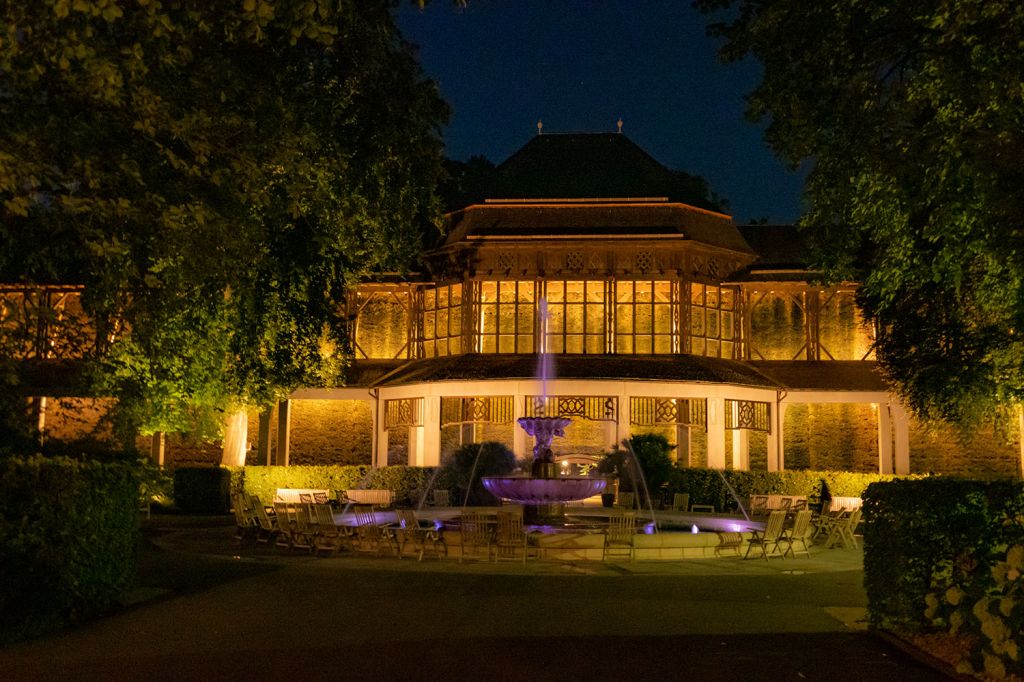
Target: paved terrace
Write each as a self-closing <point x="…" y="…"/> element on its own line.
<point x="205" y="610"/>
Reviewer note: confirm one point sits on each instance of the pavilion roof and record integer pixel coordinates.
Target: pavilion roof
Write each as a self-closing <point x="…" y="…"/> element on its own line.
<point x="593" y="219"/>
<point x="482" y="367"/>
<point x="591" y="165"/>
<point x="825" y="375"/>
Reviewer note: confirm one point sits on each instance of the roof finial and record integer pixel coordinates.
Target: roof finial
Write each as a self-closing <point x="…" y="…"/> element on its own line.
<point x="540" y="127"/>
<point x="620" y="125"/>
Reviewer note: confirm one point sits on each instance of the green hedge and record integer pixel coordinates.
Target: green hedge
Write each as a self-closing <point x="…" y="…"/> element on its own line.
<point x="407" y="482"/>
<point x="202" y="490"/>
<point x="706" y="486"/>
<point x="948" y="554"/>
<point x="68" y="531"/>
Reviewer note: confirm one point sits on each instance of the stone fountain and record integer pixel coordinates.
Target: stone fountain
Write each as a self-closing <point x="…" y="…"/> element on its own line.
<point x="544" y="492"/>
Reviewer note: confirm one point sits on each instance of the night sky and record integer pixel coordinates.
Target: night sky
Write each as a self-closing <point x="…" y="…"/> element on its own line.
<point x="581" y="65"/>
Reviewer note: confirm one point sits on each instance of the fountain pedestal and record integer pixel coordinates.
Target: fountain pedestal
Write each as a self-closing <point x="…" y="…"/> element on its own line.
<point x="544" y="492"/>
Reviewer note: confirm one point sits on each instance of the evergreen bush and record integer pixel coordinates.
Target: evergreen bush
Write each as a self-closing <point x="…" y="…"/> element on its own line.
<point x="68" y="532"/>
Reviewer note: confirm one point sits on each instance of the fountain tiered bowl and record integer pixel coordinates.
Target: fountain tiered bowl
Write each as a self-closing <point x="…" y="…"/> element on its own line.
<point x="534" y="491"/>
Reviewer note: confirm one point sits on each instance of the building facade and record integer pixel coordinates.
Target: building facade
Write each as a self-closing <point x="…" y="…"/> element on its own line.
<point x="655" y="315"/>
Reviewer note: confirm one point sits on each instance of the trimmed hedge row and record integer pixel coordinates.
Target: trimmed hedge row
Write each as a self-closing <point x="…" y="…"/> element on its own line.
<point x="409" y="483"/>
<point x="202" y="490"/>
<point x="948" y="554"/>
<point x="68" y="531"/>
<point x="706" y="486"/>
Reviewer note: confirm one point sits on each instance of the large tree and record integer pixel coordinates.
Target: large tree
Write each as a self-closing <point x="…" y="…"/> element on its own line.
<point x="910" y="114"/>
<point x="216" y="174"/>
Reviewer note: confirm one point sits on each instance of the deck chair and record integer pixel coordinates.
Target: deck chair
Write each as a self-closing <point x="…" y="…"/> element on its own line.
<point x="759" y="505"/>
<point x="370" y="536"/>
<point x="826" y="522"/>
<point x="770" y="536"/>
<point x="510" y="539"/>
<point x="681" y="502"/>
<point x="283" y="516"/>
<point x="441" y="498"/>
<point x="626" y="500"/>
<point x="421" y="537"/>
<point x="476" y="535"/>
<point x="328" y="536"/>
<point x="618" y="539"/>
<point x="303" y="530"/>
<point x="797" y="534"/>
<point x="703" y="508"/>
<point x="245" y="523"/>
<point x="267" y="528"/>
<point x="320" y="498"/>
<point x="729" y="541"/>
<point x="844" y="531"/>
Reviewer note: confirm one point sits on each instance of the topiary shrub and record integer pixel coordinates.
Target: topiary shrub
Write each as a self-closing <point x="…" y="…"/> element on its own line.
<point x="947" y="555"/>
<point x="202" y="490"/>
<point x="474" y="461"/>
<point x="68" y="531"/>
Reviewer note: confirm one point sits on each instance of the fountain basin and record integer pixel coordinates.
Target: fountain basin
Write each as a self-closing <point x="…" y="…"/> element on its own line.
<point x="537" y="491"/>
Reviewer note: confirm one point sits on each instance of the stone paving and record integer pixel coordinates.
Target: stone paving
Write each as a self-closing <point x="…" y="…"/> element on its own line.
<point x="207" y="610"/>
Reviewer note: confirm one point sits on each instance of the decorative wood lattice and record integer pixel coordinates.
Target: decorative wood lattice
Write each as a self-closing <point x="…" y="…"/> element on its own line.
<point x="506" y="261"/>
<point x="490" y="410"/>
<point x="574" y="260"/>
<point x="644" y="261"/>
<point x="668" y="412"/>
<point x="592" y="408"/>
<point x="403" y="412"/>
<point x="748" y="414"/>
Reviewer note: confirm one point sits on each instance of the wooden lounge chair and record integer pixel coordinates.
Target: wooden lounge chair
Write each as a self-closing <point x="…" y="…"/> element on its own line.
<point x="770" y="536"/>
<point x="303" y="530"/>
<point x="441" y="498"/>
<point x="758" y="505"/>
<point x="626" y="500"/>
<point x="729" y="541"/>
<point x="283" y="516"/>
<point x="267" y="527"/>
<point x="328" y="537"/>
<point x="476" y="534"/>
<point x="797" y="534"/>
<point x="370" y="535"/>
<point x="844" y="530"/>
<point x="618" y="539"/>
<point x="681" y="502"/>
<point x="510" y="538"/>
<point x="409" y="530"/>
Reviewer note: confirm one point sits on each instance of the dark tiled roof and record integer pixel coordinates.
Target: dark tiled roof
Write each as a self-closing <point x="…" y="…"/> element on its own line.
<point x="476" y="367"/>
<point x="367" y="372"/>
<point x="592" y="165"/>
<point x="776" y="246"/>
<point x="594" y="219"/>
<point x="832" y="375"/>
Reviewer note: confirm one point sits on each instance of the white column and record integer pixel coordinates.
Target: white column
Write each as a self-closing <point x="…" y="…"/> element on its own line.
<point x="716" y="433"/>
<point x="416" y="446"/>
<point x="901" y="436"/>
<point x="884" y="439"/>
<point x="380" y="455"/>
<point x="157" y="448"/>
<point x="375" y="415"/>
<point x="683" y="445"/>
<point x="776" y="439"/>
<point x="520" y="446"/>
<point x="234" y="445"/>
<point x="622" y="426"/>
<point x="741" y="450"/>
<point x="429" y="452"/>
<point x="284" y="431"/>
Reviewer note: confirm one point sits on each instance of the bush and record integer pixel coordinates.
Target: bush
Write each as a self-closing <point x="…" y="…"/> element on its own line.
<point x="476" y="460"/>
<point x="202" y="490"/>
<point x="707" y="486"/>
<point x="68" y="531"/>
<point x="409" y="483"/>
<point x="949" y="554"/>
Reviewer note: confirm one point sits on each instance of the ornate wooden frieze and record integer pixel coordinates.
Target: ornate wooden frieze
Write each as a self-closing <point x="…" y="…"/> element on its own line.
<point x="668" y="411"/>
<point x="748" y="414"/>
<point x="488" y="410"/>
<point x="592" y="408"/>
<point x="403" y="412"/>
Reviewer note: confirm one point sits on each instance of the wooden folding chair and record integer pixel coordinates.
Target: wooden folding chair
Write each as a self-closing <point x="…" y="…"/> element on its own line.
<point x="618" y="539"/>
<point x="769" y="536"/>
<point x="510" y="539"/>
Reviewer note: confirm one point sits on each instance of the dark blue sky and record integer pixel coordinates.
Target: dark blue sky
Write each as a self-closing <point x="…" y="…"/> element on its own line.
<point x="579" y="65"/>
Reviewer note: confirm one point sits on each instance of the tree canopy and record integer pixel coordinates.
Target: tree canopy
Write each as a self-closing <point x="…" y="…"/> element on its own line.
<point x="911" y="116"/>
<point x="215" y="174"/>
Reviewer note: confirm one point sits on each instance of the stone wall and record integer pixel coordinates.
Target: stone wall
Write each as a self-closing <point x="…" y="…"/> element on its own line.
<point x="985" y="453"/>
<point x="840" y="436"/>
<point x="330" y="432"/>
